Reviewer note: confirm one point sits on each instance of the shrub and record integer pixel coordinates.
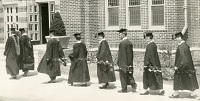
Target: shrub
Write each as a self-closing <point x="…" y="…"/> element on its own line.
<point x="58" y="25"/>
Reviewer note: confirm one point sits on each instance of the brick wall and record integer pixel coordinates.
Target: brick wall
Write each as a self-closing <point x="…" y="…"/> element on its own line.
<point x="88" y="16"/>
<point x="1" y="23"/>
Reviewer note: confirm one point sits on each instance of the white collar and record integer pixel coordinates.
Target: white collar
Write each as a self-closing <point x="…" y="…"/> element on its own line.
<point x="102" y="40"/>
<point x="150" y="41"/>
<point x="124" y="38"/>
<point x="181" y="42"/>
<point x="78" y="41"/>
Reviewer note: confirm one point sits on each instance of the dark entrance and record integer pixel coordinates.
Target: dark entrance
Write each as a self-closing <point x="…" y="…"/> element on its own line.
<point x="45" y="21"/>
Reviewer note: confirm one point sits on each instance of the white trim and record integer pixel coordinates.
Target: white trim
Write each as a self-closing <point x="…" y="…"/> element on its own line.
<point x="106" y="18"/>
<point x="151" y="27"/>
<point x="128" y="26"/>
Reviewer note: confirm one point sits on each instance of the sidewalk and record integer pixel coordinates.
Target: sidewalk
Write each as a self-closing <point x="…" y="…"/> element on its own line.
<point x="35" y="88"/>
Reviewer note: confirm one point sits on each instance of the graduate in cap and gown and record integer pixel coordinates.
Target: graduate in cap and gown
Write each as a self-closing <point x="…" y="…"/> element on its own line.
<point x="185" y="73"/>
<point x="152" y="75"/>
<point x="26" y="53"/>
<point x="105" y="66"/>
<point x="12" y="52"/>
<point x="79" y="71"/>
<point x="50" y="63"/>
<point x="125" y="62"/>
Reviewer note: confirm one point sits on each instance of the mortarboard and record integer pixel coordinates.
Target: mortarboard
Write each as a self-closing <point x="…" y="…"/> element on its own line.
<point x="12" y="29"/>
<point x="147" y="34"/>
<point x="21" y="29"/>
<point x="178" y="34"/>
<point x="77" y="34"/>
<point x="122" y="30"/>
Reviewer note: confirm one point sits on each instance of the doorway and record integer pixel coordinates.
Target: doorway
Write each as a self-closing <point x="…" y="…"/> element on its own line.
<point x="44" y="21"/>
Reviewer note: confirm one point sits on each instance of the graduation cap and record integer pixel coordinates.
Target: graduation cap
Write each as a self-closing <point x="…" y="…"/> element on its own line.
<point x="148" y="34"/>
<point x="179" y="34"/>
<point x="99" y="34"/>
<point x="122" y="30"/>
<point x="76" y="34"/>
<point x="12" y="29"/>
<point x="21" y="29"/>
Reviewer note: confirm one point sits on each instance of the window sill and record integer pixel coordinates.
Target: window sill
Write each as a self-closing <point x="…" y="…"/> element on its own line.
<point x="156" y="27"/>
<point x="134" y="28"/>
<point x="112" y="28"/>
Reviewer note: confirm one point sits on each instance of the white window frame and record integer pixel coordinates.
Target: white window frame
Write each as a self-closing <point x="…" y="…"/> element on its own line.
<point x="106" y="18"/>
<point x="151" y="27"/>
<point x="128" y="26"/>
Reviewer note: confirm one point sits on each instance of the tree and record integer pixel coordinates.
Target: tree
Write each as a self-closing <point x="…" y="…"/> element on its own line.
<point x="58" y="25"/>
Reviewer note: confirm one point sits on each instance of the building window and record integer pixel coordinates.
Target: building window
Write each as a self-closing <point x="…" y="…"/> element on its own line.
<point x="113" y="12"/>
<point x="16" y="9"/>
<point x="11" y="25"/>
<point x="35" y="8"/>
<point x="35" y="17"/>
<point x="7" y="10"/>
<point x="11" y="18"/>
<point x="32" y="36"/>
<point x="30" y="27"/>
<point x="134" y="12"/>
<point x="36" y="35"/>
<point x="17" y="27"/>
<point x="7" y="18"/>
<point x="31" y="18"/>
<point x="52" y="7"/>
<point x="16" y="18"/>
<point x="8" y="27"/>
<point x="157" y="12"/>
<point x="11" y="10"/>
<point x="36" y="27"/>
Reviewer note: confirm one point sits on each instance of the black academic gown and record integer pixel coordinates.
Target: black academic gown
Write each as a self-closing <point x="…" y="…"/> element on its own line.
<point x="185" y="76"/>
<point x="79" y="71"/>
<point x="152" y="75"/>
<point x="50" y="63"/>
<point x="12" y="52"/>
<point x="26" y="53"/>
<point x="105" y="63"/>
<point x="125" y="59"/>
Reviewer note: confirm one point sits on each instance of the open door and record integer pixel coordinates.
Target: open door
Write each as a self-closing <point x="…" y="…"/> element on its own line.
<point x="33" y="23"/>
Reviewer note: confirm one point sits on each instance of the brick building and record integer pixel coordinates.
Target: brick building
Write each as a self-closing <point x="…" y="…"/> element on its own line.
<point x="162" y="17"/>
<point x="33" y="15"/>
<point x="1" y="23"/>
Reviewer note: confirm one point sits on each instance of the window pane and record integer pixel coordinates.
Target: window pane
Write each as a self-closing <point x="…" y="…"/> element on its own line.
<point x="36" y="34"/>
<point x="16" y="9"/>
<point x="134" y="15"/>
<point x="31" y="17"/>
<point x="157" y="15"/>
<point x="134" y="2"/>
<point x="31" y="8"/>
<point x="11" y="25"/>
<point x="30" y="27"/>
<point x="8" y="27"/>
<point x="11" y="18"/>
<point x="35" y="17"/>
<point x="52" y="7"/>
<point x="36" y="27"/>
<point x="16" y="18"/>
<point x="113" y="18"/>
<point x="113" y="2"/>
<point x="7" y="18"/>
<point x="17" y="26"/>
<point x="7" y="10"/>
<point x="11" y="10"/>
<point x="155" y="2"/>
<point x="31" y="36"/>
<point x="35" y="8"/>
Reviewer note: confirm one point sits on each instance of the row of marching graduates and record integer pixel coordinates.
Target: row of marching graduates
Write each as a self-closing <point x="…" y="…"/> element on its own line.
<point x="19" y="55"/>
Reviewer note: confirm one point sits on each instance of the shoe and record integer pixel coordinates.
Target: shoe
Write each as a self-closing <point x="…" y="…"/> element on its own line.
<point x="25" y="74"/>
<point x="52" y="81"/>
<point x="192" y="96"/>
<point x="174" y="96"/>
<point x="105" y="86"/>
<point x="145" y="93"/>
<point x="134" y="86"/>
<point x="84" y="85"/>
<point x="122" y="91"/>
<point x="134" y="90"/>
<point x="161" y="93"/>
